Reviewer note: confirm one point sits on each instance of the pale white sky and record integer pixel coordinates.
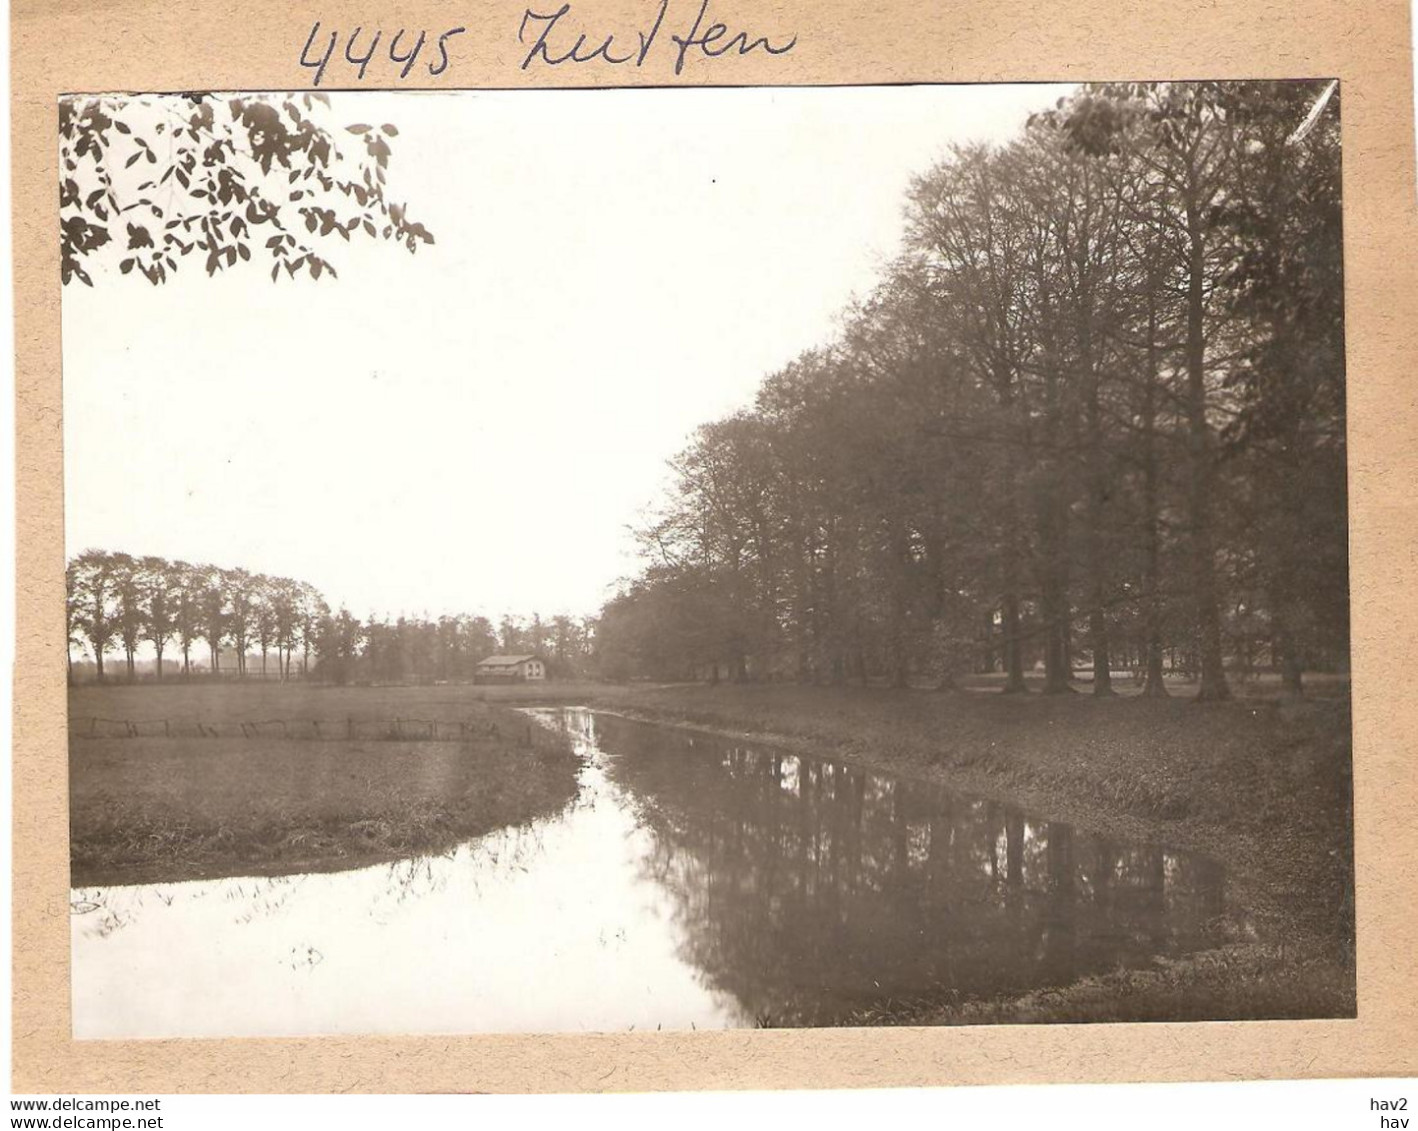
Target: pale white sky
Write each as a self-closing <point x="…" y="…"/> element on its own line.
<point x="472" y="428"/>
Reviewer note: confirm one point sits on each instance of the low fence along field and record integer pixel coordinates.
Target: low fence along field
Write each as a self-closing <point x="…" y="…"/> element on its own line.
<point x="228" y="701"/>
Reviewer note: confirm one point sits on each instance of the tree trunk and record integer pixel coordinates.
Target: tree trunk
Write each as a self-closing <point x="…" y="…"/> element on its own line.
<point x="1199" y="447"/>
<point x="900" y="601"/>
<point x="1097" y="556"/>
<point x="1012" y="645"/>
<point x="1054" y="596"/>
<point x="1052" y="523"/>
<point x="1152" y="684"/>
<point x="987" y="653"/>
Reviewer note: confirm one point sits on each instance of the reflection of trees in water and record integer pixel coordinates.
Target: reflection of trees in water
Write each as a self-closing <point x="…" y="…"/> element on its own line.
<point x="807" y="889"/>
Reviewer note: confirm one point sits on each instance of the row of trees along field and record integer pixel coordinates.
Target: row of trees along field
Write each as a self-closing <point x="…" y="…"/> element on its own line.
<point x="1093" y="412"/>
<point x="125" y="604"/>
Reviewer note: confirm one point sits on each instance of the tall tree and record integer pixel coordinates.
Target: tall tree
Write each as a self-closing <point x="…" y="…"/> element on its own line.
<point x="159" y="608"/>
<point x="129" y="618"/>
<point x="1186" y="141"/>
<point x="967" y="219"/>
<point x="92" y="602"/>
<point x="212" y="601"/>
<point x="241" y="590"/>
<point x="185" y="588"/>
<point x="1289" y="427"/>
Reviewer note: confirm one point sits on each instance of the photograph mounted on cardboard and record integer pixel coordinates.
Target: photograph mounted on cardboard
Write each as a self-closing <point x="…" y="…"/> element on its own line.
<point x="684" y="558"/>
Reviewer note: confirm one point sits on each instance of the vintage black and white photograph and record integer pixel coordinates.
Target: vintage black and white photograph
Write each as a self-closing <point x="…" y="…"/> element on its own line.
<point x="667" y="559"/>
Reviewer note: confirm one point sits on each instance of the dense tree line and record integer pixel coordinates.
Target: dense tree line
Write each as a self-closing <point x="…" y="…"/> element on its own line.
<point x="422" y="650"/>
<point x="1093" y="415"/>
<point x="119" y="603"/>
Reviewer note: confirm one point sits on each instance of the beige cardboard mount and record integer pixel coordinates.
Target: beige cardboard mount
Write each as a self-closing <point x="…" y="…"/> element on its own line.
<point x="166" y="45"/>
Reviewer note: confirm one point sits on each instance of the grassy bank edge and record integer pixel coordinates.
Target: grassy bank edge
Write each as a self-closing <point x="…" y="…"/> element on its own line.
<point x="155" y="845"/>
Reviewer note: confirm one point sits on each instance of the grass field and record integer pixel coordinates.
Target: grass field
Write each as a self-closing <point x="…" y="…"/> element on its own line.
<point x="156" y="808"/>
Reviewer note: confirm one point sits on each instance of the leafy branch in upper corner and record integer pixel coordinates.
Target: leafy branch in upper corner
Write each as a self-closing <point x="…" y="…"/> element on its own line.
<point x="148" y="180"/>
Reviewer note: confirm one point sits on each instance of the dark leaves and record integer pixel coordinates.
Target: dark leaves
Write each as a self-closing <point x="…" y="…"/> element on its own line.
<point x="216" y="166"/>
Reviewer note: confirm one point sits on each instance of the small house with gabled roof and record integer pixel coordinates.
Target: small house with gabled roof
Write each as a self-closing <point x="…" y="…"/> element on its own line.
<point x="510" y="669"/>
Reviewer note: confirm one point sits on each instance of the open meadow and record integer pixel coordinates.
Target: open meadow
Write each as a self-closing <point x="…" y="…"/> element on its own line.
<point x="195" y="780"/>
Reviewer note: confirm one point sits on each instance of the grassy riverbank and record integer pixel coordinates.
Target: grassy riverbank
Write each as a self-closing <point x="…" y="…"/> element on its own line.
<point x="154" y="808"/>
<point x="1260" y="785"/>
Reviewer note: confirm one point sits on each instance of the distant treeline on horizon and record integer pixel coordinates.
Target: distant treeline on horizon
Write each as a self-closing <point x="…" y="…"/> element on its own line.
<point x="120" y="603"/>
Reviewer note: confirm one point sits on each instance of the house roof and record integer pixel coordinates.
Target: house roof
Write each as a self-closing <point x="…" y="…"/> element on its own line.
<point x="504" y="661"/>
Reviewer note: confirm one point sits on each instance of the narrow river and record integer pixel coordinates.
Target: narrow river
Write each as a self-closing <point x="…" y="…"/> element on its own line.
<point x="695" y="882"/>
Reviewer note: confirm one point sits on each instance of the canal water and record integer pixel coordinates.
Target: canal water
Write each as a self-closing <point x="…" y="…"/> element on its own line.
<point x="695" y="881"/>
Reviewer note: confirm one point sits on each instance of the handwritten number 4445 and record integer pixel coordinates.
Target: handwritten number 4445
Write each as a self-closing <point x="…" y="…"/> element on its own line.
<point x="319" y="51"/>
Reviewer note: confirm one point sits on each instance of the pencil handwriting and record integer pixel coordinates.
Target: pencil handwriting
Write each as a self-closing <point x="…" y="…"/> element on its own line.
<point x="362" y="49"/>
<point x="554" y="39"/>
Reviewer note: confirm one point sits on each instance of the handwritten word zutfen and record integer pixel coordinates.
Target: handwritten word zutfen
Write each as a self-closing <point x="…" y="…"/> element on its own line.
<point x="554" y="41"/>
